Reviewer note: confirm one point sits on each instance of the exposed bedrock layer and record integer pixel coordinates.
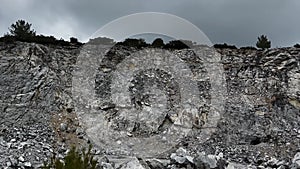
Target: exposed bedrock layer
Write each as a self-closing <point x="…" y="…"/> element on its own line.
<point x="151" y="108"/>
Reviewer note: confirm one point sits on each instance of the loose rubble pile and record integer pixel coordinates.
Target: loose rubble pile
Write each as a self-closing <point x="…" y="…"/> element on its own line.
<point x="26" y="146"/>
<point x="259" y="127"/>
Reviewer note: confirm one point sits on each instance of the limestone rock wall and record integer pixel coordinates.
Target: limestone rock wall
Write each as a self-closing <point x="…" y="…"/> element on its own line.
<point x="260" y="123"/>
<point x="35" y="83"/>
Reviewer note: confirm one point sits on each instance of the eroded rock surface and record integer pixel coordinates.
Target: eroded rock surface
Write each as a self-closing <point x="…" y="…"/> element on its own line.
<point x="259" y="126"/>
<point x="35" y="83"/>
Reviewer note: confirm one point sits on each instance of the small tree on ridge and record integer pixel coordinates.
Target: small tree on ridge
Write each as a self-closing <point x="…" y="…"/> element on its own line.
<point x="263" y="42"/>
<point x="158" y="43"/>
<point x="21" y="29"/>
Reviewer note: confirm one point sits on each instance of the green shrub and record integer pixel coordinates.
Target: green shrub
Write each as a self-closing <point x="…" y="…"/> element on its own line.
<point x="102" y="41"/>
<point x="263" y="42"/>
<point x="224" y="46"/>
<point x="158" y="43"/>
<point x="21" y="29"/>
<point x="8" y="39"/>
<point x="248" y="48"/>
<point x="73" y="40"/>
<point x="138" y="43"/>
<point x="176" y="44"/>
<point x="73" y="160"/>
<point x="297" y="45"/>
<point x="42" y="39"/>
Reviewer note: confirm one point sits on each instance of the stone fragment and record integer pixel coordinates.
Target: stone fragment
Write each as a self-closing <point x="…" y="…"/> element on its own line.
<point x="296" y="159"/>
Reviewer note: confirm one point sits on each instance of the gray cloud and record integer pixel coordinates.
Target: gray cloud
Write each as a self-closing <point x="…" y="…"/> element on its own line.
<point x="236" y="22"/>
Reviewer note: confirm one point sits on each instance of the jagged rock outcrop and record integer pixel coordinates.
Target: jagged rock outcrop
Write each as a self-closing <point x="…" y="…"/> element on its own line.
<point x="35" y="83"/>
<point x="258" y="127"/>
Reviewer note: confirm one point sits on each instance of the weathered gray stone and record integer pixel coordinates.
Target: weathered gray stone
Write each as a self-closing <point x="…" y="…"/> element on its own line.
<point x="177" y="158"/>
<point x="63" y="126"/>
<point x="27" y="164"/>
<point x="158" y="163"/>
<point x="206" y="160"/>
<point x="134" y="163"/>
<point x="296" y="159"/>
<point x="21" y="159"/>
<point x="235" y="166"/>
<point x="260" y="116"/>
<point x="106" y="165"/>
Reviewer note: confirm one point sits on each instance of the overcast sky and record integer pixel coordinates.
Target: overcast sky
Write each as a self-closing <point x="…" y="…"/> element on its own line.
<point x="237" y="22"/>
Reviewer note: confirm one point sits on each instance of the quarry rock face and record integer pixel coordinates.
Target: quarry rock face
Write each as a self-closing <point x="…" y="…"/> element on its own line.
<point x="150" y="108"/>
<point x="147" y="100"/>
<point x="35" y="84"/>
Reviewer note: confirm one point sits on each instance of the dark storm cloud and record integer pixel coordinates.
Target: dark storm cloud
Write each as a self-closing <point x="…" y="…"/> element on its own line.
<point x="232" y="21"/>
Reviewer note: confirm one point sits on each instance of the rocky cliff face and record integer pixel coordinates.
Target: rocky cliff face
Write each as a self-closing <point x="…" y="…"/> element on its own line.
<point x="259" y="123"/>
<point x="35" y="86"/>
